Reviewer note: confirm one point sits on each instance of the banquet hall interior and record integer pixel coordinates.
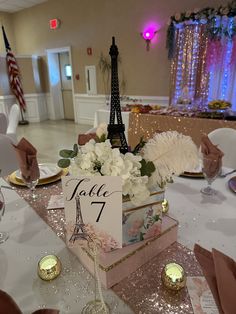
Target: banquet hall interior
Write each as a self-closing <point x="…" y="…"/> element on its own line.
<point x="140" y="90"/>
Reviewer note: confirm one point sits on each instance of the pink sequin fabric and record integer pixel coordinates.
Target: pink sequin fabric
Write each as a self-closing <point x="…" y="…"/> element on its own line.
<point x="143" y="290"/>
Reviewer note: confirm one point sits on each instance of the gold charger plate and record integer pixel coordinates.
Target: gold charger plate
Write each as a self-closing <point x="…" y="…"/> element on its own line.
<point x="13" y="178"/>
<point x="232" y="184"/>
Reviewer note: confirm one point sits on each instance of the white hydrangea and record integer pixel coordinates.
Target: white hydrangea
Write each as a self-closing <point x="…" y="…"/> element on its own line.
<point x="100" y="159"/>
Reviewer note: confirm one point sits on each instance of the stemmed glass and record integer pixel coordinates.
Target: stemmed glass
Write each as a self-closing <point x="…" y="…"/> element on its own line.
<point x="31" y="184"/>
<point x="3" y="235"/>
<point x="211" y="167"/>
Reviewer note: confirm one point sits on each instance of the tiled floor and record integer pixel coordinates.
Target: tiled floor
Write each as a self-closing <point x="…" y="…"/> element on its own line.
<point x="49" y="137"/>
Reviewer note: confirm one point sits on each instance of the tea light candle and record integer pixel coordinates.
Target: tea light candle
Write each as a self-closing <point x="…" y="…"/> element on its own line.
<point x="173" y="276"/>
<point x="49" y="267"/>
<point x="165" y="206"/>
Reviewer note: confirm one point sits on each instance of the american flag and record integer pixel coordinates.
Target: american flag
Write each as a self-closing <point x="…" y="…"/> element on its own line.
<point x="14" y="73"/>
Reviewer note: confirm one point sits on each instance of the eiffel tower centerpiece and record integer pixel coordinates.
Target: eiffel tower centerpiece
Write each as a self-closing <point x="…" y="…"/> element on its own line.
<point x="116" y="128"/>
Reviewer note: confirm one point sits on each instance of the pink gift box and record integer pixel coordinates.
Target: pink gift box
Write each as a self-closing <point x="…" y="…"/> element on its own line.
<point x="118" y="264"/>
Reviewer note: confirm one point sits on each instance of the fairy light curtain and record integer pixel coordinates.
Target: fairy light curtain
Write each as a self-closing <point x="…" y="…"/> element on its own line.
<point x="202" y="50"/>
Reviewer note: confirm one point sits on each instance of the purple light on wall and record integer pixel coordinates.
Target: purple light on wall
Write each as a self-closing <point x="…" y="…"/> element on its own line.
<point x="148" y="34"/>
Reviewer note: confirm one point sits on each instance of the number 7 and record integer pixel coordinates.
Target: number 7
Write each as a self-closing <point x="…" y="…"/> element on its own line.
<point x="103" y="205"/>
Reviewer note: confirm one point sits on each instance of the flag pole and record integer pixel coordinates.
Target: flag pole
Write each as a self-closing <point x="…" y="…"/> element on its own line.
<point x="22" y="121"/>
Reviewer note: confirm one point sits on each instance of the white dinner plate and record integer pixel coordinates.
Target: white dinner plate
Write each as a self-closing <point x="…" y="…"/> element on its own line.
<point x="47" y="170"/>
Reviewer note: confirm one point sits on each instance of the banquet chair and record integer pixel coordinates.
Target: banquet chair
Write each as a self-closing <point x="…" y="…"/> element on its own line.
<point x="8" y="160"/>
<point x="225" y="138"/>
<point x="3" y="123"/>
<point x="13" y="122"/>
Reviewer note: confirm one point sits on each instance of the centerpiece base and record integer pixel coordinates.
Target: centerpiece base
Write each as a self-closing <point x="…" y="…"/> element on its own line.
<point x="118" y="264"/>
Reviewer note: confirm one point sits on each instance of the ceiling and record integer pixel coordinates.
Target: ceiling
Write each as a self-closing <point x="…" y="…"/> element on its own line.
<point x="11" y="6"/>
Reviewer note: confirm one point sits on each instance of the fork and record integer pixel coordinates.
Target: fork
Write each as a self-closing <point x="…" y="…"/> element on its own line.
<point x="223" y="175"/>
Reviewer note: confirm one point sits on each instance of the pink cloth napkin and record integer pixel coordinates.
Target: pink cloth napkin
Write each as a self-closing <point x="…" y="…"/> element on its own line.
<point x="220" y="273"/>
<point x="26" y="155"/>
<point x="84" y="138"/>
<point x="8" y="306"/>
<point x="212" y="157"/>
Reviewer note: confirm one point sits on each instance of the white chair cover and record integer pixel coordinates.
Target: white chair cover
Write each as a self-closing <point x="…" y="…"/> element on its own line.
<point x="3" y="123"/>
<point x="13" y="122"/>
<point x="225" y="138"/>
<point x="8" y="160"/>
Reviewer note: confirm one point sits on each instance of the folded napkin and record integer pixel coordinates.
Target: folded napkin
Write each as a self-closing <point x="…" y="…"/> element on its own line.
<point x="84" y="138"/>
<point x="220" y="273"/>
<point x="8" y="306"/>
<point x="26" y="155"/>
<point x="213" y="157"/>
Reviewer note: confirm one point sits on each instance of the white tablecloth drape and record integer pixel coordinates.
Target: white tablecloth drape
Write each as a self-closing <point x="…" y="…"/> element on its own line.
<point x="30" y="239"/>
<point x="103" y="115"/>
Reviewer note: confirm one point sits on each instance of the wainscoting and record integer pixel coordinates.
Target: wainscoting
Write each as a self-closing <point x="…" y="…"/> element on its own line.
<point x="40" y="107"/>
<point x="36" y="106"/>
<point x="87" y="105"/>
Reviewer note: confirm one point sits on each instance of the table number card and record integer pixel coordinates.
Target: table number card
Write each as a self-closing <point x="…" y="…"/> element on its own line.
<point x="101" y="204"/>
<point x="201" y="297"/>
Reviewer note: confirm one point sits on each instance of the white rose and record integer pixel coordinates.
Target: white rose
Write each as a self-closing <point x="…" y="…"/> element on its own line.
<point x="101" y="129"/>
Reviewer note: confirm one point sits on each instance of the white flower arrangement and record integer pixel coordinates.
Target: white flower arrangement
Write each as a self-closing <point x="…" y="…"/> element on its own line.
<point x="150" y="164"/>
<point x="99" y="159"/>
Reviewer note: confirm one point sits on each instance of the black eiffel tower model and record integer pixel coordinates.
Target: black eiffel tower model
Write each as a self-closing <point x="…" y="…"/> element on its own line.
<point x="116" y="132"/>
<point x="79" y="232"/>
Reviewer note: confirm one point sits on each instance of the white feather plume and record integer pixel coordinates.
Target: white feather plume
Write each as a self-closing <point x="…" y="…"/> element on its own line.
<point x="172" y="153"/>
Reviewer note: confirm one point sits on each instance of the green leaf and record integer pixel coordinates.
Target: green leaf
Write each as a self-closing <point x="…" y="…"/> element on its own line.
<point x="66" y="153"/>
<point x="156" y="217"/>
<point x="75" y="149"/>
<point x="141" y="236"/>
<point x="139" y="146"/>
<point x="147" y="168"/>
<point x="103" y="138"/>
<point x="63" y="163"/>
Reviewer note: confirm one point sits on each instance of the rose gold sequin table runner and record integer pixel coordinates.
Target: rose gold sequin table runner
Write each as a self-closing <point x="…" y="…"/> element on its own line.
<point x="142" y="290"/>
<point x="147" y="124"/>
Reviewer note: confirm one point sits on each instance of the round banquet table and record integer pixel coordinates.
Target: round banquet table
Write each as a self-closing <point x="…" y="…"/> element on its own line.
<point x="209" y="221"/>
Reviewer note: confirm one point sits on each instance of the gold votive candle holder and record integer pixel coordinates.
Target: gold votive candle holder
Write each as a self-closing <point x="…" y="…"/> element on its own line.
<point x="49" y="267"/>
<point x="165" y="206"/>
<point x="173" y="276"/>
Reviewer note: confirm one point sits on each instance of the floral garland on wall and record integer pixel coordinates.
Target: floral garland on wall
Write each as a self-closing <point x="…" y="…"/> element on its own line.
<point x="215" y="20"/>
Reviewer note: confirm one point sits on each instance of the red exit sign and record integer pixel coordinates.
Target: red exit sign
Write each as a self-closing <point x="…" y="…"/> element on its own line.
<point x="54" y="23"/>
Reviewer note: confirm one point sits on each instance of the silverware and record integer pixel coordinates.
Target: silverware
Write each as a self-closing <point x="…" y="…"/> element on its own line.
<point x="7" y="187"/>
<point x="223" y="175"/>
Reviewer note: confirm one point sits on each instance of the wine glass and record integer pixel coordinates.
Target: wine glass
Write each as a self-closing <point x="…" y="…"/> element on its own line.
<point x="3" y="235"/>
<point x="31" y="184"/>
<point x="211" y="167"/>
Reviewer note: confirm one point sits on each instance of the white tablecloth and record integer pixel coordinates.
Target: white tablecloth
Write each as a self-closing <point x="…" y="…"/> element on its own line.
<point x="103" y="115"/>
<point x="207" y="220"/>
<point x="30" y="239"/>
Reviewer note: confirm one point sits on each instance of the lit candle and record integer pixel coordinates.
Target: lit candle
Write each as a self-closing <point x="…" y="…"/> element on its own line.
<point x="49" y="267"/>
<point x="173" y="276"/>
<point x="165" y="206"/>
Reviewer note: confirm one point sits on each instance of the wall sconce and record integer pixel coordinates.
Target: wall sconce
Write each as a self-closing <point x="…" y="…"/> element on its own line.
<point x="148" y="36"/>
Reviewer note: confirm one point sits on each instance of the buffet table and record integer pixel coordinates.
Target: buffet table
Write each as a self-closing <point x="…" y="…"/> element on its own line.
<point x="147" y="124"/>
<point x="209" y="221"/>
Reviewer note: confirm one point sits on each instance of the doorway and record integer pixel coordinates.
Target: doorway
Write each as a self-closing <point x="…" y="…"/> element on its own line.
<point x="61" y="84"/>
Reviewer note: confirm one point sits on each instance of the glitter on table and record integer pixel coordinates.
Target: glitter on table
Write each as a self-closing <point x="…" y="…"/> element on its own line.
<point x="143" y="290"/>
